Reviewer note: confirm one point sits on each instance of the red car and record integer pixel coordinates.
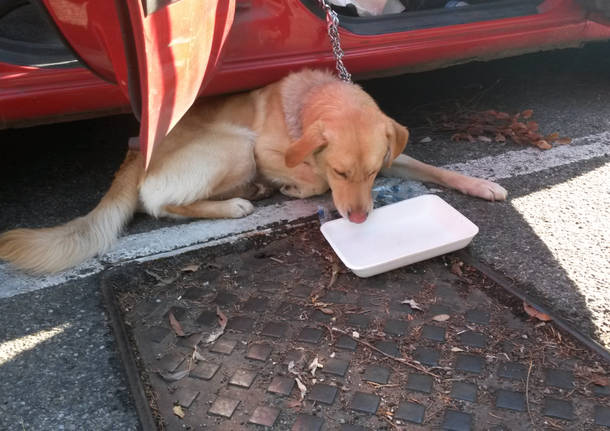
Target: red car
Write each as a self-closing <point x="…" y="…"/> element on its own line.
<point x="66" y="59"/>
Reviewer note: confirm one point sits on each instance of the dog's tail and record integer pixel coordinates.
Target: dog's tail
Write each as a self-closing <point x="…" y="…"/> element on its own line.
<point x="54" y="249"/>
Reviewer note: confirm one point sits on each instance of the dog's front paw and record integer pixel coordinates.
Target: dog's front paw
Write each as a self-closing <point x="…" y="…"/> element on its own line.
<point x="484" y="189"/>
<point x="238" y="207"/>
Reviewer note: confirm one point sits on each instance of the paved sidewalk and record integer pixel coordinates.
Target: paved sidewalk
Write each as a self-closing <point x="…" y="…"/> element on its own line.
<point x="58" y="365"/>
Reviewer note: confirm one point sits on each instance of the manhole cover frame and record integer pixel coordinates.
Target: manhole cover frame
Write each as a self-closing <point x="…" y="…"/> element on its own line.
<point x="128" y="356"/>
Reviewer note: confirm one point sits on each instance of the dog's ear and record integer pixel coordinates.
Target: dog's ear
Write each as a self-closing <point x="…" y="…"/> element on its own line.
<point x="398" y="135"/>
<point x="312" y="139"/>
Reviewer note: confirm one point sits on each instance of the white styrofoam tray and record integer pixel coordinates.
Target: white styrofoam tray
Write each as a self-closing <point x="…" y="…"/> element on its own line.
<point x="399" y="234"/>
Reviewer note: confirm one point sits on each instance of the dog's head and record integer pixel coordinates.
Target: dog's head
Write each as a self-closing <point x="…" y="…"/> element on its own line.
<point x="351" y="140"/>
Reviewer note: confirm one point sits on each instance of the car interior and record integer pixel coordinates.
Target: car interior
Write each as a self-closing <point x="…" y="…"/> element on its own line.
<point x="28" y="38"/>
<point x="371" y="17"/>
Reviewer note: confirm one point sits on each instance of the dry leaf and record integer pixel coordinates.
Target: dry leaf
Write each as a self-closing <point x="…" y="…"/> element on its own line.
<point x="333" y="276"/>
<point x="326" y="310"/>
<point x="197" y="356"/>
<point x="222" y="321"/>
<point x="543" y="145"/>
<point x="355" y="334"/>
<point x="601" y="380"/>
<point x="441" y="317"/>
<point x="527" y="113"/>
<point x="302" y="387"/>
<point x="174" y="377"/>
<point x="190" y="268"/>
<point x="564" y="141"/>
<point x="456" y="349"/>
<point x="315" y="364"/>
<point x="481" y="126"/>
<point x="462" y="137"/>
<point x="456" y="268"/>
<point x="552" y="137"/>
<point x="425" y="140"/>
<point x="411" y="303"/>
<point x="214" y="335"/>
<point x="160" y="280"/>
<point x="535" y="313"/>
<point x="175" y="325"/>
<point x="502" y="116"/>
<point x="292" y="404"/>
<point x="178" y="412"/>
<point x="291" y="368"/>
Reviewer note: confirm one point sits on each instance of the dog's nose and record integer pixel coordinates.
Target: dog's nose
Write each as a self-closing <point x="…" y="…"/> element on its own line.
<point x="357" y="216"/>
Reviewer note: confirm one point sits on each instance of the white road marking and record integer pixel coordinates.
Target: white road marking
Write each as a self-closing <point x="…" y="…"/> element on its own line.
<point x="164" y="241"/>
<point x="198" y="234"/>
<point x="522" y="162"/>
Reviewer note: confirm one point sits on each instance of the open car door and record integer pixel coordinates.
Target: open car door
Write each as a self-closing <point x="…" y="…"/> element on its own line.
<point x="160" y="52"/>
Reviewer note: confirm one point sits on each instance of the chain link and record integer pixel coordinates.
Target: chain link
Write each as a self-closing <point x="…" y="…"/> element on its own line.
<point x="332" y="25"/>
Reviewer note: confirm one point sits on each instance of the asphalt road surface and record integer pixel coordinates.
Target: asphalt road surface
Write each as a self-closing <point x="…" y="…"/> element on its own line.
<point x="58" y="364"/>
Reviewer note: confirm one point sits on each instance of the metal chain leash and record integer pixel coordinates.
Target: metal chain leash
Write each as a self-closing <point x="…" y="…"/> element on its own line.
<point x="332" y="24"/>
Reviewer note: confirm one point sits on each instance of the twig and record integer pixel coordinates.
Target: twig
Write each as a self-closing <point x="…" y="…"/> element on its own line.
<point x="554" y="425"/>
<point x="378" y="385"/>
<point x="333" y="276"/>
<point x="401" y="360"/>
<point x="330" y="332"/>
<point x="389" y="421"/>
<point x="478" y="96"/>
<point x="318" y="291"/>
<point x="527" y="395"/>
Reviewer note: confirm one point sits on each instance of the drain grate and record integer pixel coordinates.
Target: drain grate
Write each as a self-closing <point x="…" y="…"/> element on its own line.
<point x="419" y="345"/>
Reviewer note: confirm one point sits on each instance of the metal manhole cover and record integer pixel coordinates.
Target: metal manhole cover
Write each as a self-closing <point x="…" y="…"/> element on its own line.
<point x="309" y="346"/>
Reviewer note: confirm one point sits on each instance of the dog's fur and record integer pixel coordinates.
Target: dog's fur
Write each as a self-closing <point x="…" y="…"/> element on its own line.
<point x="302" y="135"/>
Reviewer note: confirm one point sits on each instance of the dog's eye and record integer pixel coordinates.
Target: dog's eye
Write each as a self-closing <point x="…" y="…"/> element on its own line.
<point x="341" y="174"/>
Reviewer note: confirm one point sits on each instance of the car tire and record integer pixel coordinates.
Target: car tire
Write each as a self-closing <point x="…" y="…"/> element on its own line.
<point x="602" y="6"/>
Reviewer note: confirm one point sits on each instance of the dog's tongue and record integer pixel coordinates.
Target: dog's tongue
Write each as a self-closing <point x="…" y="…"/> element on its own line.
<point x="357" y="217"/>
